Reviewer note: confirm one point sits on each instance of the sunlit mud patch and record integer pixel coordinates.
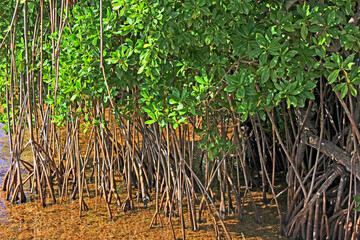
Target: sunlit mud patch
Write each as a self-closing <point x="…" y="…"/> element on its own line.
<point x="4" y="165"/>
<point x="63" y="220"/>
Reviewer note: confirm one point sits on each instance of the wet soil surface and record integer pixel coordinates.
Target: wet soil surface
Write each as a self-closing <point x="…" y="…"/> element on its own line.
<point x="64" y="221"/>
<point x="4" y="165"/>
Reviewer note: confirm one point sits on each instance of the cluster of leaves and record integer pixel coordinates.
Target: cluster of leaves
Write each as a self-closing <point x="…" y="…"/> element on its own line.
<point x="167" y="59"/>
<point x="185" y="49"/>
<point x="7" y="8"/>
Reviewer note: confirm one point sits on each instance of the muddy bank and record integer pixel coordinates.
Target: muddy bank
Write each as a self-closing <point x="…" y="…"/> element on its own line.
<point x="62" y="220"/>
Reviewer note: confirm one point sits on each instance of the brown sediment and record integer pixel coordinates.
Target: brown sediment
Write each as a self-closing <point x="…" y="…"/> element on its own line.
<point x="62" y="221"/>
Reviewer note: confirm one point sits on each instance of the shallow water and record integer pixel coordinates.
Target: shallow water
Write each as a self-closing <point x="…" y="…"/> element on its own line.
<point x="4" y="164"/>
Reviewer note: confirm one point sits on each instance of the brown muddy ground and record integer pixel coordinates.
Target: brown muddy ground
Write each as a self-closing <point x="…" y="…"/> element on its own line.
<point x="63" y="221"/>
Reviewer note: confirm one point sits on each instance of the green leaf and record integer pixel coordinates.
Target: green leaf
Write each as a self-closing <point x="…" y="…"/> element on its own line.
<point x="240" y="93"/>
<point x="230" y="88"/>
<point x="333" y="76"/>
<point x="320" y="52"/>
<point x="307" y="95"/>
<point x="263" y="58"/>
<point x="255" y="52"/>
<point x="331" y="18"/>
<point x="176" y="93"/>
<point x="78" y="84"/>
<point x="356" y="81"/>
<point x="301" y="102"/>
<point x="244" y="117"/>
<point x="337" y="59"/>
<point x="289" y="28"/>
<point x="349" y="61"/>
<point x="151" y="121"/>
<point x="205" y="11"/>
<point x="291" y="53"/>
<point x="309" y="85"/>
<point x="172" y="101"/>
<point x="352" y="90"/>
<point x="304" y="31"/>
<point x="344" y="91"/>
<point x="357" y="199"/>
<point x="316" y="29"/>
<point x="293" y="100"/>
<point x="261" y="40"/>
<point x="265" y="75"/>
<point x="330" y="65"/>
<point x="262" y="115"/>
<point x="200" y="80"/>
<point x="291" y="86"/>
<point x="125" y="30"/>
<point x="288" y="102"/>
<point x="117" y="5"/>
<point x="338" y="87"/>
<point x="278" y="87"/>
<point x="357" y="209"/>
<point x="230" y="79"/>
<point x="274" y="61"/>
<point x="188" y="6"/>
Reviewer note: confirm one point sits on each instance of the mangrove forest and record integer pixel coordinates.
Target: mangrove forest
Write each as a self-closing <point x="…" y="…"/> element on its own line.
<point x="191" y="107"/>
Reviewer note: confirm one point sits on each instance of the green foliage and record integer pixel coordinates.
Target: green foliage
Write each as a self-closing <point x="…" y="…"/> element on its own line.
<point x="167" y="60"/>
<point x="357" y="200"/>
